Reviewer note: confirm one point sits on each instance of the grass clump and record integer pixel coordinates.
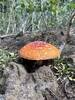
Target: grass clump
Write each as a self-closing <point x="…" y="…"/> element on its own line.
<point x="64" y="67"/>
<point x="6" y="57"/>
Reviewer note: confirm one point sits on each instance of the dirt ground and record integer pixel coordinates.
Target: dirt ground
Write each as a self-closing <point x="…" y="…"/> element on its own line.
<point x="40" y="84"/>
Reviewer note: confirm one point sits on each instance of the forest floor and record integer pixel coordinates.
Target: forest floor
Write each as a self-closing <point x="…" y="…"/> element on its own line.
<point x="50" y="81"/>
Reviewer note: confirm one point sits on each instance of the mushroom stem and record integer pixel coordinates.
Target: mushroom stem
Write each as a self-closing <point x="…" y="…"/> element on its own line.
<point x="62" y="46"/>
<point x="39" y="62"/>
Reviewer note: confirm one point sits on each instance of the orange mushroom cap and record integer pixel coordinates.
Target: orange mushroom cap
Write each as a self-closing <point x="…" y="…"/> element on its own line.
<point x="39" y="50"/>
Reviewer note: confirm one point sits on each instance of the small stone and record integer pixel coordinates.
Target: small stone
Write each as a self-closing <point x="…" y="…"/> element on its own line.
<point x="2" y="97"/>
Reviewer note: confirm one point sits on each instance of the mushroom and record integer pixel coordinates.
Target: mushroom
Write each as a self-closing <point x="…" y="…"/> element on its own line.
<point x="40" y="52"/>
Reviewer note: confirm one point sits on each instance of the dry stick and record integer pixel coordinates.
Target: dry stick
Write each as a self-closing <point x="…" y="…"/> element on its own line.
<point x="7" y="35"/>
<point x="68" y="32"/>
<point x="69" y="26"/>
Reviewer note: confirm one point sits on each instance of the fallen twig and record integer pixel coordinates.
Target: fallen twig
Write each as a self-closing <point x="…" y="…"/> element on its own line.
<point x="69" y="25"/>
<point x="8" y="35"/>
